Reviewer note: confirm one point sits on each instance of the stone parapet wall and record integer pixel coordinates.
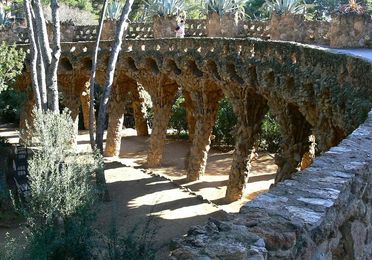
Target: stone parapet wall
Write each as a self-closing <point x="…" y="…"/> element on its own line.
<point x="323" y="212"/>
<point x="312" y="32"/>
<point x="350" y="30"/>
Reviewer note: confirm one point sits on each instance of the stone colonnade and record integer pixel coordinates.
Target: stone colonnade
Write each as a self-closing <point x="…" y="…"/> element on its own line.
<point x="305" y="88"/>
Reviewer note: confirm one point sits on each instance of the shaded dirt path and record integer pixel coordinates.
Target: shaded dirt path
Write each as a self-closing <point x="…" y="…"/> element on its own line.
<point x="156" y="199"/>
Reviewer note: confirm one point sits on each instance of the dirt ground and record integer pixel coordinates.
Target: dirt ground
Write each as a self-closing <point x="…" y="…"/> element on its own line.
<point x="154" y="200"/>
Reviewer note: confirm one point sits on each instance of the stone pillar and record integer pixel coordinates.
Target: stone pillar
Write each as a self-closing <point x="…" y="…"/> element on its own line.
<point x="206" y="106"/>
<point x="295" y="139"/>
<point x="115" y="122"/>
<point x="250" y="111"/>
<point x="84" y="99"/>
<point x="26" y="114"/>
<point x="189" y="114"/>
<point x="139" y="111"/>
<point x="162" y="100"/>
<point x="72" y="102"/>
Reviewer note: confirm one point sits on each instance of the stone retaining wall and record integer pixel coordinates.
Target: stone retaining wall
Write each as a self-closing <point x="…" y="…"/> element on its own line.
<point x="323" y="212"/>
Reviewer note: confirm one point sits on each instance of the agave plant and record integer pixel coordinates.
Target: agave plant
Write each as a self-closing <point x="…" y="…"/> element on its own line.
<point x="222" y="7"/>
<point x="352" y="7"/>
<point x="165" y="7"/>
<point x="286" y="6"/>
<point x="114" y="10"/>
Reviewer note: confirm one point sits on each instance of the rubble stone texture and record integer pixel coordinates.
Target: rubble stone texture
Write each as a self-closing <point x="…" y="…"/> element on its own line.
<point x="343" y="31"/>
<point x="350" y="30"/>
<point x="289" y="27"/>
<point x="313" y="91"/>
<point x="116" y="119"/>
<point x="139" y="110"/>
<point x="84" y="99"/>
<point x="323" y="212"/>
<point x="164" y="26"/>
<point x="222" y="26"/>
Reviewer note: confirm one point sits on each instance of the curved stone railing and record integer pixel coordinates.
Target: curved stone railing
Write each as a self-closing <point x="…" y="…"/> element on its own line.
<point x="316" y="31"/>
<point x="323" y="212"/>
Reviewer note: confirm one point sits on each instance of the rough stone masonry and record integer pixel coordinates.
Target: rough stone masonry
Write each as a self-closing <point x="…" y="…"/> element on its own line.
<point x="323" y="212"/>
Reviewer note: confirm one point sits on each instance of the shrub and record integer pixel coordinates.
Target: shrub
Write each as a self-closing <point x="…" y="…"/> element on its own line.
<point x="270" y="136"/>
<point x="225" y="124"/>
<point x="59" y="209"/>
<point x="11" y="103"/>
<point x="178" y="119"/>
<point x="73" y="14"/>
<point x="11" y="64"/>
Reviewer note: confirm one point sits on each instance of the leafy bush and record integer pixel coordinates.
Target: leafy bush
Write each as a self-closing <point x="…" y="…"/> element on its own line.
<point x="270" y="136"/>
<point x="85" y="5"/>
<point x="225" y="124"/>
<point x="178" y="119"/>
<point x="60" y="208"/>
<point x="11" y="64"/>
<point x="73" y="14"/>
<point x="11" y="102"/>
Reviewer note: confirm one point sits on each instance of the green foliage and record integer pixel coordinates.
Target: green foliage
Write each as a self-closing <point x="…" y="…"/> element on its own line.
<point x="225" y="123"/>
<point x="178" y="118"/>
<point x="11" y="64"/>
<point x="164" y="7"/>
<point x="222" y="7"/>
<point x="114" y="10"/>
<point x="4" y="21"/>
<point x="11" y="102"/>
<point x="255" y="9"/>
<point x="59" y="209"/>
<point x="270" y="136"/>
<point x="283" y="7"/>
<point x="73" y="15"/>
<point x="80" y="4"/>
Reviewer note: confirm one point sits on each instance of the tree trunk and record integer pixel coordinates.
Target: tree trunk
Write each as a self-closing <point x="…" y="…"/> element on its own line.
<point x="121" y="29"/>
<point x="44" y="58"/>
<point x="52" y="76"/>
<point x="93" y="78"/>
<point x="34" y="55"/>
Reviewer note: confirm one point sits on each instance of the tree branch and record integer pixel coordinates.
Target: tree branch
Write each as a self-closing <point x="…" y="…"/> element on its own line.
<point x="120" y="30"/>
<point x="93" y="76"/>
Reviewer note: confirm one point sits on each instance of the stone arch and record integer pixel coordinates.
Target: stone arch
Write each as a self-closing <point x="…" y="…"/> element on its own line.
<point x="297" y="148"/>
<point x="65" y="65"/>
<point x="87" y="63"/>
<point x="151" y="65"/>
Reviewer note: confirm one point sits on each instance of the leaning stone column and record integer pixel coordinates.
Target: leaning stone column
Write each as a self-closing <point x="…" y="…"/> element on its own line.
<point x="250" y="110"/>
<point x="115" y="124"/>
<point x="189" y="114"/>
<point x="162" y="100"/>
<point x="84" y="99"/>
<point x="205" y="110"/>
<point x="26" y="114"/>
<point x="72" y="102"/>
<point x="295" y="139"/>
<point x="139" y="110"/>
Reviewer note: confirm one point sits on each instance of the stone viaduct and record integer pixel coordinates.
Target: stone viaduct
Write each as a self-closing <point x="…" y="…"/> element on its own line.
<point x="312" y="91"/>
